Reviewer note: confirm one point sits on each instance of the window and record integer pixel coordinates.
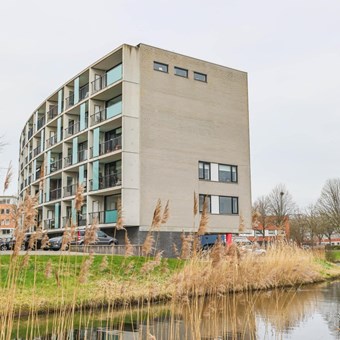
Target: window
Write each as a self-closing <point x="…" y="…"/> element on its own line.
<point x="2" y="211"/>
<point x="7" y="211"/>
<point x="227" y="173"/>
<point x="204" y="170"/>
<point x="200" y="76"/>
<point x="201" y="202"/>
<point x="7" y="222"/>
<point x="228" y="205"/>
<point x="181" y="72"/>
<point x="160" y="67"/>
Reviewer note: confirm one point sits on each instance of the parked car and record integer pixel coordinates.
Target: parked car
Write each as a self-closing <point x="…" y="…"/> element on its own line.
<point x="26" y="242"/>
<point x="4" y="244"/>
<point x="208" y="241"/>
<point x="55" y="243"/>
<point x="102" y="238"/>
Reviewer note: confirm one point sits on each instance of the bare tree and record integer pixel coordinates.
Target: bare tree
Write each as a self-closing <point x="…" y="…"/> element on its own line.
<point x="312" y="222"/>
<point x="329" y="207"/>
<point x="281" y="205"/>
<point x="298" y="228"/>
<point x="261" y="215"/>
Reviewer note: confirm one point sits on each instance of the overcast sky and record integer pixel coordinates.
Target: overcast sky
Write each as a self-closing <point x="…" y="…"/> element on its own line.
<point x="290" y="49"/>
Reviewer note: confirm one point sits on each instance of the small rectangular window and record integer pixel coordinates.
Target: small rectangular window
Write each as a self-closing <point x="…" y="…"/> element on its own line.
<point x="204" y="170"/>
<point x="228" y="205"/>
<point x="160" y="67"/>
<point x="181" y="72"/>
<point x="227" y="173"/>
<point x="201" y="202"/>
<point x="200" y="76"/>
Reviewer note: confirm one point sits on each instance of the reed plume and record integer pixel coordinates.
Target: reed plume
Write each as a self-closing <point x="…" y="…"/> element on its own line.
<point x="79" y="199"/>
<point x="202" y="229"/>
<point x="195" y="210"/>
<point x="148" y="244"/>
<point x="8" y="177"/>
<point x="157" y="216"/>
<point x="85" y="268"/>
<point x="241" y="226"/>
<point x="91" y="233"/>
<point x="186" y="246"/>
<point x="42" y="176"/>
<point x="104" y="264"/>
<point x="128" y="245"/>
<point x="45" y="241"/>
<point x="166" y="213"/>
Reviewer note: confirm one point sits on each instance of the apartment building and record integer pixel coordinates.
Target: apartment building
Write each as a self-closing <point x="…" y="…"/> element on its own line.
<point x="138" y="125"/>
<point x="7" y="206"/>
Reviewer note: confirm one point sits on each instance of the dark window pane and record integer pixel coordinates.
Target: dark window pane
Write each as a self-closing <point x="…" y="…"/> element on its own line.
<point x="225" y="205"/>
<point x="201" y="202"/>
<point x="224" y="173"/>
<point x="181" y="72"/>
<point x="235" y="205"/>
<point x="234" y="174"/>
<point x="160" y="67"/>
<point x="200" y="170"/>
<point x="206" y="171"/>
<point x="200" y="76"/>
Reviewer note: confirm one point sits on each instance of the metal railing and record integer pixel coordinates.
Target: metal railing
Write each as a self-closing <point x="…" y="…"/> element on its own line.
<point x="111" y="145"/>
<point x="52" y="113"/>
<point x="49" y="224"/>
<point x="80" y="221"/>
<point x="72" y="129"/>
<point x="55" y="166"/>
<point x="82" y="155"/>
<point x="37" y="174"/>
<point x="37" y="150"/>
<point x="104" y="182"/>
<point x="51" y="141"/>
<point x="30" y="133"/>
<point x="40" y="123"/>
<point x="103" y="217"/>
<point x="109" y="78"/>
<point x="107" y="113"/>
<point x="84" y="92"/>
<point x="55" y="194"/>
<point x="68" y="161"/>
<point x="69" y="101"/>
<point x="70" y="190"/>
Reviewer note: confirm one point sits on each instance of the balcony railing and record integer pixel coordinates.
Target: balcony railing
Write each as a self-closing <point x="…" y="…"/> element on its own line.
<point x="30" y="156"/>
<point x="37" y="174"/>
<point x="82" y="155"/>
<point x="84" y="92"/>
<point x="30" y="133"/>
<point x="55" y="166"/>
<point x="49" y="224"/>
<point x="40" y="123"/>
<point x="109" y="78"/>
<point x="69" y="101"/>
<point x="51" y="141"/>
<point x="103" y="217"/>
<point x="104" y="182"/>
<point x="52" y="113"/>
<point x="80" y="221"/>
<point x="111" y="145"/>
<point x="55" y="194"/>
<point x="70" y="190"/>
<point x="112" y="111"/>
<point x="74" y="128"/>
<point x="37" y="151"/>
<point x="68" y="161"/>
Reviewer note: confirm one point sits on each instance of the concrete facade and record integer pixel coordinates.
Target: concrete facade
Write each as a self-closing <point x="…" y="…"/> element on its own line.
<point x="127" y="131"/>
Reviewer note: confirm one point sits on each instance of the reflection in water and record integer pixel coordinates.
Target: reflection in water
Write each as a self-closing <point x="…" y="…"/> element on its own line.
<point x="310" y="312"/>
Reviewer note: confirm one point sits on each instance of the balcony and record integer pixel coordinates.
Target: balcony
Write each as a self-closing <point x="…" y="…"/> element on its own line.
<point x="37" y="151"/>
<point x="52" y="113"/>
<point x="40" y="123"/>
<point x="80" y="221"/>
<point x="109" y="78"/>
<point x="82" y="155"/>
<point x="49" y="224"/>
<point x="103" y="217"/>
<point x="68" y="161"/>
<point x="74" y="128"/>
<point x="104" y="182"/>
<point x="55" y="166"/>
<point x="70" y="190"/>
<point x="30" y="133"/>
<point x="51" y="141"/>
<point x="108" y="146"/>
<point x="84" y="92"/>
<point x="69" y="101"/>
<point x="37" y="175"/>
<point x="55" y="194"/>
<point x="112" y="111"/>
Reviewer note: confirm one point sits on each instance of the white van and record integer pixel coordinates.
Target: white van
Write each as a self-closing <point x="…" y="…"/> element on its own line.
<point x="6" y="233"/>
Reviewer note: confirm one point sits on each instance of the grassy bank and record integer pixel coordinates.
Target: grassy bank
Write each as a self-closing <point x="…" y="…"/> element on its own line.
<point x="43" y="283"/>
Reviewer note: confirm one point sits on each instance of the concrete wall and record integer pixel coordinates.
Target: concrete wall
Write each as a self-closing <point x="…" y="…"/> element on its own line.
<point x="183" y="121"/>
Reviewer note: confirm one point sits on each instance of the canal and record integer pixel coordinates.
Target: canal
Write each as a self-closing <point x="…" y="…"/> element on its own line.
<point x="309" y="312"/>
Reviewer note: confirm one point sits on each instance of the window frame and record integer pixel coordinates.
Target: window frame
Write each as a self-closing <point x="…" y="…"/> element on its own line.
<point x="231" y="173"/>
<point x="161" y="64"/>
<point x="181" y="69"/>
<point x="200" y="209"/>
<point x="201" y="74"/>
<point x="233" y="212"/>
<point x="203" y="178"/>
